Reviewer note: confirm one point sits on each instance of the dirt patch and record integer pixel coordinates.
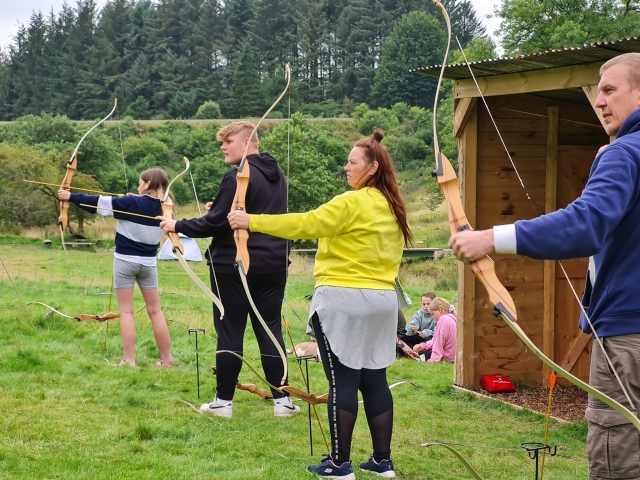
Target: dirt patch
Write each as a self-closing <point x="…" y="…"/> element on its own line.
<point x="568" y="402"/>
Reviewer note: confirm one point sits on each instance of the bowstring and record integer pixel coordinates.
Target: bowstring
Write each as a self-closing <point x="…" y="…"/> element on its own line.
<point x="14" y="286"/>
<point x="213" y="270"/>
<point x="126" y="184"/>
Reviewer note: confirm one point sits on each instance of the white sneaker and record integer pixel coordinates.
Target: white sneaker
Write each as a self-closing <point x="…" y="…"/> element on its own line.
<point x="218" y="410"/>
<point x="284" y="407"/>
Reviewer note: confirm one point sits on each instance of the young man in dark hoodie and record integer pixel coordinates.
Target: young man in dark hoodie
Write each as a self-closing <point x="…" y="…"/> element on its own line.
<point x="603" y="224"/>
<point x="266" y="193"/>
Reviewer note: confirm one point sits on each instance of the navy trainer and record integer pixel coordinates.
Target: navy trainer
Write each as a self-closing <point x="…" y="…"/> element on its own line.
<point x="328" y="469"/>
<point x="383" y="469"/>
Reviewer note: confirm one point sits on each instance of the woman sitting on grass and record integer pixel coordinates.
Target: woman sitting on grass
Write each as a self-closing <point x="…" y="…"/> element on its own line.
<point x="137" y="242"/>
<point x="361" y="234"/>
<point x="443" y="344"/>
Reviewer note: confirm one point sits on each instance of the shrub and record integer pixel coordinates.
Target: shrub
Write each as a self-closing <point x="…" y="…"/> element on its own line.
<point x="208" y="110"/>
<point x="139" y="109"/>
<point x="382" y="118"/>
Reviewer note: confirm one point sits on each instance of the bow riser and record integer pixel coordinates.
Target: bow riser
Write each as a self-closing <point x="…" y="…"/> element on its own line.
<point x="63" y="219"/>
<point x="97" y="318"/>
<point x="167" y="212"/>
<point x="484" y="269"/>
<point x="241" y="236"/>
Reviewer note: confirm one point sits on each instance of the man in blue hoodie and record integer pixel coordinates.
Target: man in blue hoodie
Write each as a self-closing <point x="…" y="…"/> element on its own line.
<point x="603" y="224"/>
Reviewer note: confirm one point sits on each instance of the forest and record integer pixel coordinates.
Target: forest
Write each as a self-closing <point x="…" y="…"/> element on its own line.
<point x="213" y="59"/>
<point x="166" y="59"/>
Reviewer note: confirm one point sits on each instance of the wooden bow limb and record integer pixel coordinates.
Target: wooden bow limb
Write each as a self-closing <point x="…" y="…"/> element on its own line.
<point x="251" y="388"/>
<point x="178" y="248"/>
<point x="310" y="398"/>
<point x="213" y="270"/>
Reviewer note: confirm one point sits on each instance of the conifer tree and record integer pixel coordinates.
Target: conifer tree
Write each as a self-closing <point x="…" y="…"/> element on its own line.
<point x="246" y="93"/>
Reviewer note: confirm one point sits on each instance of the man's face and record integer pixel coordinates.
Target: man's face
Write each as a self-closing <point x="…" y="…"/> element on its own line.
<point x="616" y="98"/>
<point x="233" y="148"/>
<point x="426" y="301"/>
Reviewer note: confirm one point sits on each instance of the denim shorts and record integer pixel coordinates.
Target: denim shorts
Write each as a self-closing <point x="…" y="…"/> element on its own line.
<point x="126" y="274"/>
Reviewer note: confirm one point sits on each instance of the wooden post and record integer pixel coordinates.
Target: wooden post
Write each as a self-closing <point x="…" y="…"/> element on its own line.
<point x="465" y="333"/>
<point x="549" y="275"/>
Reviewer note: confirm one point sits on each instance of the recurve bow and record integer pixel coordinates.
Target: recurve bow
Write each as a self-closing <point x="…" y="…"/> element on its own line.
<point x="241" y="236"/>
<point x="72" y="164"/>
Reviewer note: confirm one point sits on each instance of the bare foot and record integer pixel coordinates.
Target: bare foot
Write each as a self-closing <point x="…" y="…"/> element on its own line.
<point x="122" y="363"/>
<point x="161" y="363"/>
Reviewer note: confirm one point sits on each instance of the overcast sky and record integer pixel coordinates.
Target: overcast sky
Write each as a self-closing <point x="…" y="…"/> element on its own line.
<point x="15" y="12"/>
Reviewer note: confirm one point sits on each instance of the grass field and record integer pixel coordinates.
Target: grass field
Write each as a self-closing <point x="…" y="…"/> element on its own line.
<point x="67" y="414"/>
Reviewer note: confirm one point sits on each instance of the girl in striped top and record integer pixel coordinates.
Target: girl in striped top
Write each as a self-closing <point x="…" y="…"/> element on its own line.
<point x="137" y="242"/>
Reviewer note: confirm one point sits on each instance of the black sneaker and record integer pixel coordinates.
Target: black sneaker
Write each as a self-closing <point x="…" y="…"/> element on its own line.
<point x="328" y="469"/>
<point x="383" y="469"/>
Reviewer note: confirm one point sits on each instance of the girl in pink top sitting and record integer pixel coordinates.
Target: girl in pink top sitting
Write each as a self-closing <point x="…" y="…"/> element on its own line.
<point x="443" y="344"/>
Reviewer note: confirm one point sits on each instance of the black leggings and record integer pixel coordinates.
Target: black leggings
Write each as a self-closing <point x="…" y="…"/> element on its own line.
<point x="344" y="383"/>
<point x="267" y="291"/>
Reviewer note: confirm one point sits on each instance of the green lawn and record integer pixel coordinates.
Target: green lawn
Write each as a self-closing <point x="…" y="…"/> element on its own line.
<point x="67" y="414"/>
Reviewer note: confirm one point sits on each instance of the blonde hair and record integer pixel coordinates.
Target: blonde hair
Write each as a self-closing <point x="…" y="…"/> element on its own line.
<point x="439" y="303"/>
<point x="237" y="127"/>
<point x="632" y="61"/>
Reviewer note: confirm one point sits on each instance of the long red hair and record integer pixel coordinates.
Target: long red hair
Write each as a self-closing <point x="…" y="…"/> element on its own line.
<point x="384" y="179"/>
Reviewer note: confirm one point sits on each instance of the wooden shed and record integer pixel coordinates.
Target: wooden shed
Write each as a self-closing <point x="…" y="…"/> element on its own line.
<point x="543" y="106"/>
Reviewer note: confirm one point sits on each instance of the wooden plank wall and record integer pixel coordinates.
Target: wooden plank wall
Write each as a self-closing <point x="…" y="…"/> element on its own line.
<point x="467" y="161"/>
<point x="500" y="199"/>
<point x="578" y="143"/>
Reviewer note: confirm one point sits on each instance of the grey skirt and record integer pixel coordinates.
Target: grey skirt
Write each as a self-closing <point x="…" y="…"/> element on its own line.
<point x="360" y="324"/>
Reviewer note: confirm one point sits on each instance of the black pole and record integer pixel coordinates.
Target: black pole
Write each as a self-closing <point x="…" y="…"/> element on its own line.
<point x="306" y="364"/>
<point x="196" y="331"/>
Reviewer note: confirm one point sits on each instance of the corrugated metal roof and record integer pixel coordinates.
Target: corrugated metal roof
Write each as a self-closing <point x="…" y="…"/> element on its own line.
<point x="588" y="53"/>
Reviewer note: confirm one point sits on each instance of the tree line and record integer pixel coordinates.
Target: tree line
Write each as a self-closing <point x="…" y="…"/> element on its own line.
<point x="210" y="58"/>
<point x="169" y="58"/>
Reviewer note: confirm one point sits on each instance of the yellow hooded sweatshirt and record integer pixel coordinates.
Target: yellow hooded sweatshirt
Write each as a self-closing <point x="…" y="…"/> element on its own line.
<point x="360" y="242"/>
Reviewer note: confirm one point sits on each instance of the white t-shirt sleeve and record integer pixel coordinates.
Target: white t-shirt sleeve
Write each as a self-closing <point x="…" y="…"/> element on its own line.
<point x="504" y="238"/>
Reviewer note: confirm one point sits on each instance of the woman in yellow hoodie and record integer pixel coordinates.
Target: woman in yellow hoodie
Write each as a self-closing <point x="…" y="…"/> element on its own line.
<point x="354" y="310"/>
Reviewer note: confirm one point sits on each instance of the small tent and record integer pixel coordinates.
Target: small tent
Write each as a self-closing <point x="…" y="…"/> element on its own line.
<point x="191" y="250"/>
